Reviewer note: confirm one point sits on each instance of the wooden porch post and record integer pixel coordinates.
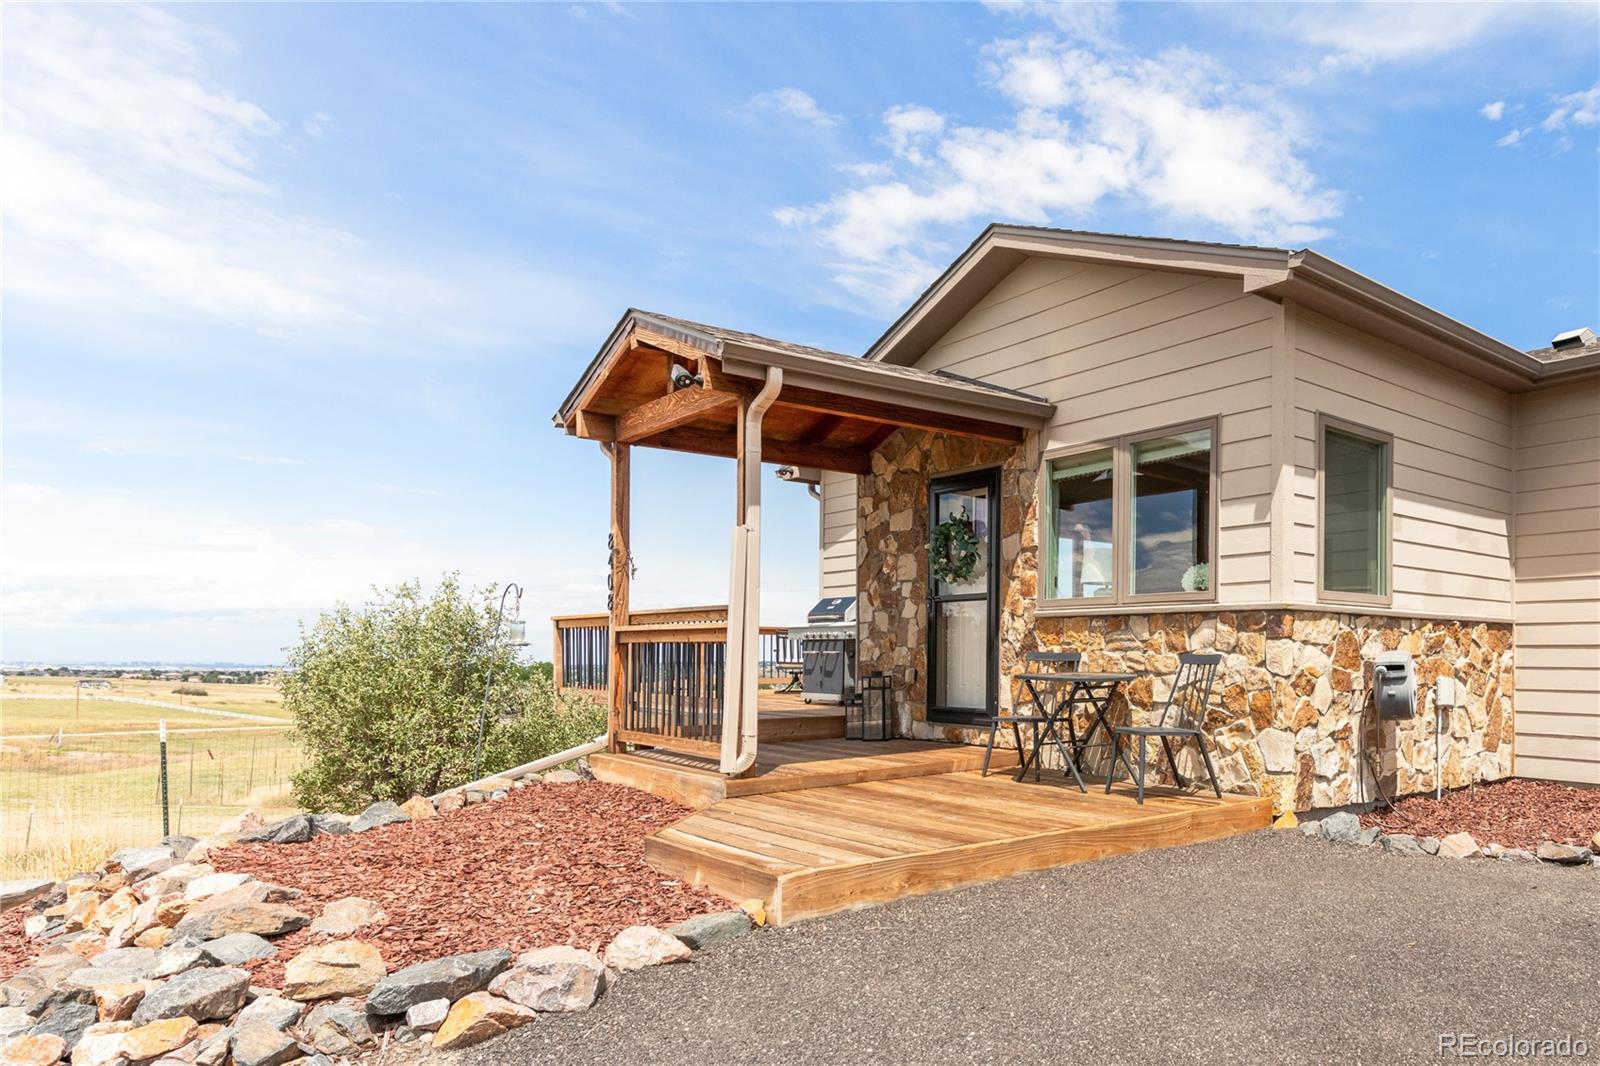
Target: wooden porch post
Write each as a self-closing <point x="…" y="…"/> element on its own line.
<point x="621" y="569"/>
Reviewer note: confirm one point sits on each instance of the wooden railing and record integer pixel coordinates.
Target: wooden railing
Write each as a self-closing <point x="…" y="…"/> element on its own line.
<point x="581" y="645"/>
<point x="673" y="689"/>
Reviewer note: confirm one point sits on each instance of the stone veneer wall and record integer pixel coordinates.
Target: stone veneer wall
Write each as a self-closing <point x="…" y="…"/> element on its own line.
<point x="1291" y="716"/>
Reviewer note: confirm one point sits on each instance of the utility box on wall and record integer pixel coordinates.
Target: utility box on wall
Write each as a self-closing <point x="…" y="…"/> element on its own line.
<point x="1394" y="685"/>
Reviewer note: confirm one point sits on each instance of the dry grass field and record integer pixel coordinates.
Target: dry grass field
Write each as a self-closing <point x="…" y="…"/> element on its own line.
<point x="65" y="806"/>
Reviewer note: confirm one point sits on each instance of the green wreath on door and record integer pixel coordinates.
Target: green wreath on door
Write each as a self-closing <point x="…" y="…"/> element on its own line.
<point x="953" y="548"/>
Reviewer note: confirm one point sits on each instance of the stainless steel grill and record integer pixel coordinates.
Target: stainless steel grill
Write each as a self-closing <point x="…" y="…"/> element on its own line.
<point x="828" y="651"/>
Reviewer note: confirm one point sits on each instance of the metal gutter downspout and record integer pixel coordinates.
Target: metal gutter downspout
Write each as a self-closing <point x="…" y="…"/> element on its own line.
<point x="739" y="713"/>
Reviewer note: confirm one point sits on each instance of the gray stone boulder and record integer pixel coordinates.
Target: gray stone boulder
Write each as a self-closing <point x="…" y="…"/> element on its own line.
<point x="1341" y="828"/>
<point x="30" y="986"/>
<point x="1564" y="854"/>
<point x="427" y="1016"/>
<point x="1516" y="855"/>
<point x="66" y="1020"/>
<point x="450" y="978"/>
<point x="382" y="813"/>
<point x="704" y="930"/>
<point x="295" y="829"/>
<point x="1403" y="844"/>
<point x="203" y="995"/>
<point x="337" y="1029"/>
<point x="271" y="1010"/>
<point x="174" y="960"/>
<point x="139" y="863"/>
<point x="14" y="1021"/>
<point x="117" y="966"/>
<point x="556" y="978"/>
<point x="257" y="1044"/>
<point x="16" y="893"/>
<point x="243" y="916"/>
<point x="1368" y="837"/>
<point x="236" y="948"/>
<point x="1429" y="845"/>
<point x="335" y="825"/>
<point x="563" y="777"/>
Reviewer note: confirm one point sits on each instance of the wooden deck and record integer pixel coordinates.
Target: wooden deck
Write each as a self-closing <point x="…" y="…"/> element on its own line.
<point x="820" y="850"/>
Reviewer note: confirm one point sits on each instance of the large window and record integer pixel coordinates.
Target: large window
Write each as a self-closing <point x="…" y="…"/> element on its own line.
<point x="1132" y="520"/>
<point x="1355" y="514"/>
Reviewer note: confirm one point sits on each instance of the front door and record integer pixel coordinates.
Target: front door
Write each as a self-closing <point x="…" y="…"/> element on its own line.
<point x="963" y="617"/>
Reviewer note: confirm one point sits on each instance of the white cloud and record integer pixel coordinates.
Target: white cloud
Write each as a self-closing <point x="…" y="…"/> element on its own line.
<point x="1494" y="111"/>
<point x="136" y="184"/>
<point x="1362" y="34"/>
<point x="1083" y="19"/>
<point x="1581" y="108"/>
<point x="796" y="103"/>
<point x="1511" y="137"/>
<point x="1174" y="132"/>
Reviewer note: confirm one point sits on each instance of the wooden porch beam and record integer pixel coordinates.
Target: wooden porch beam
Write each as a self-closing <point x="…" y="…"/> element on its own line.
<point x="899" y="414"/>
<point x="825" y="457"/>
<point x="590" y="426"/>
<point x="669" y="412"/>
<point x="621" y="572"/>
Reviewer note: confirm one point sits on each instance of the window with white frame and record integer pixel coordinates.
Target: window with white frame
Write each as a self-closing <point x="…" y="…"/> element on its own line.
<point x="1132" y="520"/>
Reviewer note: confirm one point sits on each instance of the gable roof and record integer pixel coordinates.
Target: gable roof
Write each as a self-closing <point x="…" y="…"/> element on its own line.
<point x="1305" y="276"/>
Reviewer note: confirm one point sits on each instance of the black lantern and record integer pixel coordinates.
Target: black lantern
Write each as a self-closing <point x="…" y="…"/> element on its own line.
<point x="870" y="716"/>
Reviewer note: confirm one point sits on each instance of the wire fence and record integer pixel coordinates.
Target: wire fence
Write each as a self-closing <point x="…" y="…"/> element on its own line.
<point x="69" y="799"/>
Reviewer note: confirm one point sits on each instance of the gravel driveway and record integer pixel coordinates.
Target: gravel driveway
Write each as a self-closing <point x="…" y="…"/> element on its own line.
<point x="1269" y="947"/>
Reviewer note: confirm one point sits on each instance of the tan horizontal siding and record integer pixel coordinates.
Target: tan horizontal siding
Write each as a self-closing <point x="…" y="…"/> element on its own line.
<point x="837" y="557"/>
<point x="1120" y="350"/>
<point x="1557" y="549"/>
<point x="1454" y="467"/>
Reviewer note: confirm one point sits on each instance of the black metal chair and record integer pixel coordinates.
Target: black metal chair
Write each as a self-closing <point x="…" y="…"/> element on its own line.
<point x="1063" y="662"/>
<point x="1182" y="719"/>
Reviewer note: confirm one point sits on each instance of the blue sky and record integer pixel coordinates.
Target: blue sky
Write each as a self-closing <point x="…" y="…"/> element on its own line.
<point x="291" y="291"/>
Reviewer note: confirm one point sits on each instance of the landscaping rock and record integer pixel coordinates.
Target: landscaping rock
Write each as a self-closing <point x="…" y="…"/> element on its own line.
<point x="13" y="1022"/>
<point x="263" y="919"/>
<point x="1459" y="846"/>
<point x="157" y="1038"/>
<point x="478" y="1017"/>
<point x="203" y="995"/>
<point x="175" y="960"/>
<point x="116" y="1003"/>
<point x="379" y="814"/>
<point x="211" y="1047"/>
<point x="33" y="1050"/>
<point x="639" y="946"/>
<point x="452" y="801"/>
<point x="1403" y="844"/>
<point x="271" y="1010"/>
<point x="1341" y="828"/>
<point x="1311" y="827"/>
<point x="1516" y="855"/>
<point x="29" y="986"/>
<point x="1429" y="845"/>
<point x="428" y="1016"/>
<point x="16" y="893"/>
<point x="262" y="1045"/>
<point x="101" y="1045"/>
<point x="175" y="878"/>
<point x="451" y="977"/>
<point x="418" y="809"/>
<point x="139" y="863"/>
<point x="236" y="948"/>
<point x="337" y="1029"/>
<point x="556" y="978"/>
<point x="1594" y="842"/>
<point x="342" y="968"/>
<point x="1368" y="837"/>
<point x="209" y="885"/>
<point x="295" y="829"/>
<point x="704" y="930"/>
<point x="335" y="825"/>
<point x="66" y="1020"/>
<point x="344" y="916"/>
<point x="562" y="777"/>
<point x="1564" y="854"/>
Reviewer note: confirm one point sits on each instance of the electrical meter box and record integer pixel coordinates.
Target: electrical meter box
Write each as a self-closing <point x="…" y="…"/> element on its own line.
<point x="1394" y="685"/>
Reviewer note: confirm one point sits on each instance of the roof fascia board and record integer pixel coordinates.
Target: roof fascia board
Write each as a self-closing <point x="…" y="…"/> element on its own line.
<point x="863" y="384"/>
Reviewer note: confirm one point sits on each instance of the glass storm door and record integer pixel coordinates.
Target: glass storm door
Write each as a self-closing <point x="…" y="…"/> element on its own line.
<point x="963" y="621"/>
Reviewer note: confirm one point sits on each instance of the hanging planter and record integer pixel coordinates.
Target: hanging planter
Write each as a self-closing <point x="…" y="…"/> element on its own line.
<point x="953" y="548"/>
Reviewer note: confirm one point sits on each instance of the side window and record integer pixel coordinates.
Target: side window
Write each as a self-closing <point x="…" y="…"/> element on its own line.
<point x="1355" y="519"/>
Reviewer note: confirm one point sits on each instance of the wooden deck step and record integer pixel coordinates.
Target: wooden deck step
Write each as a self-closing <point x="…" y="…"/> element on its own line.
<point x="790" y="766"/>
<point x="817" y="721"/>
<point x="819" y="850"/>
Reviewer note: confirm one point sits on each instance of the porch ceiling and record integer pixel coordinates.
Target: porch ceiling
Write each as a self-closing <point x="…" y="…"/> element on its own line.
<point x="832" y="411"/>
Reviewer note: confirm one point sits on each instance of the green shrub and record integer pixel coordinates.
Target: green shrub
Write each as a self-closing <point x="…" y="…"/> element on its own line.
<point x="386" y="699"/>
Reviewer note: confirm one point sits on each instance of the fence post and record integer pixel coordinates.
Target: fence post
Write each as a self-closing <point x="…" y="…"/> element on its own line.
<point x="166" y="828"/>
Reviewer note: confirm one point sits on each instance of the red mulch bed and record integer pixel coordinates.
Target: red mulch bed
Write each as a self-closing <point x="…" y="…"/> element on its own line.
<point x="15" y="949"/>
<point x="1512" y="813"/>
<point x="548" y="864"/>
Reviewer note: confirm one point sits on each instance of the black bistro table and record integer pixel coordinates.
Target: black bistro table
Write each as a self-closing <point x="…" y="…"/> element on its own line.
<point x="1071" y="690"/>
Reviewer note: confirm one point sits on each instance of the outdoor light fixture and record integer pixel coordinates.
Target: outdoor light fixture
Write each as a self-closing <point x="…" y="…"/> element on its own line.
<point x="870" y="716"/>
<point x="681" y="377"/>
<point x="516" y="632"/>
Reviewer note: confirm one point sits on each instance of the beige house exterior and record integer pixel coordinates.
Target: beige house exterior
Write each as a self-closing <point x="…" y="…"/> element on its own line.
<point x="1142" y="448"/>
<point x="1491" y="537"/>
